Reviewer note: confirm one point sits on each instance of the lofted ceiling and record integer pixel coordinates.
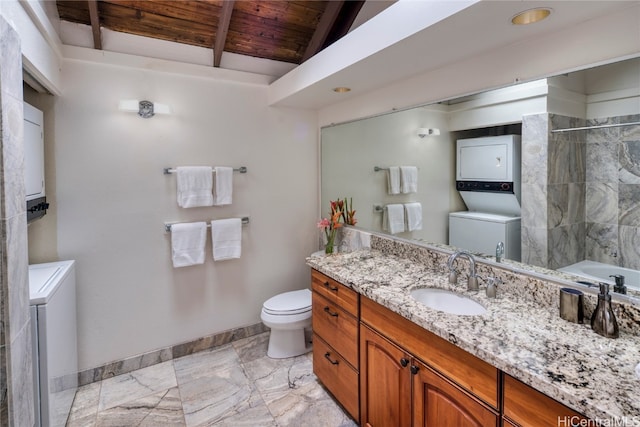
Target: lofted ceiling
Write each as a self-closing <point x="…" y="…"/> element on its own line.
<point x="279" y="30"/>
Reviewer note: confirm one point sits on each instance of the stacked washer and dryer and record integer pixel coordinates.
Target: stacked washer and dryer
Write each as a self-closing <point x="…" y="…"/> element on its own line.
<point x="488" y="180"/>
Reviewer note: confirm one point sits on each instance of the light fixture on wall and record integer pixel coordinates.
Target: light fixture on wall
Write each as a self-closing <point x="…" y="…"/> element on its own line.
<point x="422" y="132"/>
<point x="145" y="109"/>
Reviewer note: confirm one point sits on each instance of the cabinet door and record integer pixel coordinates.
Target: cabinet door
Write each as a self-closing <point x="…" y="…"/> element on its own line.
<point x="439" y="403"/>
<point x="527" y="407"/>
<point x="385" y="382"/>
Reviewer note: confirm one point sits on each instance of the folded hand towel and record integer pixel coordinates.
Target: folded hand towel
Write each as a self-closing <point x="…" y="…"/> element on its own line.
<point x="409" y="179"/>
<point x="194" y="186"/>
<point x="226" y="235"/>
<point x="393" y="180"/>
<point x="224" y="186"/>
<point x="414" y="216"/>
<point x="393" y="218"/>
<point x="187" y="243"/>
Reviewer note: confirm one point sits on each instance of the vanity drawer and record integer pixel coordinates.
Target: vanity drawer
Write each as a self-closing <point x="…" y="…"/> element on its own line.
<point x="337" y="376"/>
<point x="524" y="406"/>
<point x="336" y="327"/>
<point x="471" y="373"/>
<point x="335" y="292"/>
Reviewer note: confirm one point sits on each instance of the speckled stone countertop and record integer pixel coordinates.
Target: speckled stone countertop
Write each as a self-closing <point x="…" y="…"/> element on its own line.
<point x="566" y="361"/>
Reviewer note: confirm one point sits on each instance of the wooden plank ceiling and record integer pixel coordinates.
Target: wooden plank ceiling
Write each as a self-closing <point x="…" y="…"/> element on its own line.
<point x="288" y="31"/>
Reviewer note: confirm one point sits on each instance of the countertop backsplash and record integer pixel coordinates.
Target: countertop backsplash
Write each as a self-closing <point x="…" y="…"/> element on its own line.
<point x="520" y="282"/>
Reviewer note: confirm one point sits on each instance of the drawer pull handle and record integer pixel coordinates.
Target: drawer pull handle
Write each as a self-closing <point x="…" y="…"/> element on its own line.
<point x="414" y="369"/>
<point x="327" y="356"/>
<point x="327" y="310"/>
<point x="331" y="288"/>
<point x="404" y="362"/>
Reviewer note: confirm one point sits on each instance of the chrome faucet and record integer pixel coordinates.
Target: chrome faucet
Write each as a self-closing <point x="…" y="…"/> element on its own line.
<point x="499" y="251"/>
<point x="472" y="280"/>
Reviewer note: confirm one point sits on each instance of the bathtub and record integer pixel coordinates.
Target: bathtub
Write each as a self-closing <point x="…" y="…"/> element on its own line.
<point x="598" y="272"/>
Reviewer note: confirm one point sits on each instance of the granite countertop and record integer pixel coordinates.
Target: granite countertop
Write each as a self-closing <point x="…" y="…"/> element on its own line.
<point x="566" y="361"/>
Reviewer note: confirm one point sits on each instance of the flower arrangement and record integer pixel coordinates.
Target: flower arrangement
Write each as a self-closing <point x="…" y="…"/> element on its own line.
<point x="339" y="211"/>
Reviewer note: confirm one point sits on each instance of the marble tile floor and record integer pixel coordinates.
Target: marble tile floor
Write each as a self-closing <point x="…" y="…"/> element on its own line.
<point x="232" y="385"/>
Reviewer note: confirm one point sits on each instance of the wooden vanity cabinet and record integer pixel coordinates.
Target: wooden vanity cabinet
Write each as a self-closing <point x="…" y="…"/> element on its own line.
<point x="385" y="382"/>
<point x="335" y="323"/>
<point x="398" y="389"/>
<point x="525" y="406"/>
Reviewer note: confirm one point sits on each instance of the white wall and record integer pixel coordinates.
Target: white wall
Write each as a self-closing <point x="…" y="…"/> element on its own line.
<point x="351" y="150"/>
<point x="40" y="43"/>
<point x="111" y="200"/>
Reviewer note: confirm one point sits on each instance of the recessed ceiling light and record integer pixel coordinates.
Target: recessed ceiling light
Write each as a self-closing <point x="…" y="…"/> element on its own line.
<point x="531" y="16"/>
<point x="341" y="89"/>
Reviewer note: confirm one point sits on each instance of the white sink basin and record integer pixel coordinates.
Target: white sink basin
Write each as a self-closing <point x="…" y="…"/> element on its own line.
<point x="447" y="301"/>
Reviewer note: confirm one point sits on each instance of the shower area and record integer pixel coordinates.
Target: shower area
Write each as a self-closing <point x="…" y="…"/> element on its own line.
<point x="580" y="190"/>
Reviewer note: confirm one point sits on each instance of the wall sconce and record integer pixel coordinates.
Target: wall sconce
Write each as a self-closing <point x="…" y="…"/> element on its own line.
<point x="422" y="132"/>
<point x="145" y="109"/>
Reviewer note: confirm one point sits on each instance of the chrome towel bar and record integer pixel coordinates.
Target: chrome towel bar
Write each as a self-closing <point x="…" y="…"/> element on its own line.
<point x="167" y="225"/>
<point x="241" y="169"/>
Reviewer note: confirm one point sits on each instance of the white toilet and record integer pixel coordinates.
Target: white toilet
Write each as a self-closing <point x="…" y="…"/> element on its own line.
<point x="287" y="314"/>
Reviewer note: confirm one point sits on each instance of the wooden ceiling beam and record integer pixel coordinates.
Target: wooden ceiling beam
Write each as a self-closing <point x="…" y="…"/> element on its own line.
<point x="323" y="29"/>
<point x="223" y="30"/>
<point x="94" y="16"/>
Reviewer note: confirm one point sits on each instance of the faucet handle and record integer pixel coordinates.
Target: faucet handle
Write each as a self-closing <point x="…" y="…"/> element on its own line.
<point x="472" y="283"/>
<point x="499" y="251"/>
<point x="492" y="286"/>
<point x="453" y="276"/>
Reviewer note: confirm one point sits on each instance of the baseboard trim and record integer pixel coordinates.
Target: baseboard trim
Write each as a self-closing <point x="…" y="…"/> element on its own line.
<point x="144" y="360"/>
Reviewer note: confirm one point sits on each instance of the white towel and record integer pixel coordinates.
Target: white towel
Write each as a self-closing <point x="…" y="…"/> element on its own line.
<point x="409" y="179"/>
<point x="194" y="186"/>
<point x="224" y="186"/>
<point x="393" y="180"/>
<point x="226" y="235"/>
<point x="414" y="216"/>
<point x="187" y="243"/>
<point x="393" y="218"/>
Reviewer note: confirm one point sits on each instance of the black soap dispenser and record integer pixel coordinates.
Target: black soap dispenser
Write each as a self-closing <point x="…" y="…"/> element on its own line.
<point x="603" y="321"/>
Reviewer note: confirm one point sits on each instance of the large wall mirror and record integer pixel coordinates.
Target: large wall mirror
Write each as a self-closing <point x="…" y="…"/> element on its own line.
<point x="580" y="197"/>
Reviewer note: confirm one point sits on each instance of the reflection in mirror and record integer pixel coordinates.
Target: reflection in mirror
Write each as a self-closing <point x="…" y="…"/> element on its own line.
<point x="580" y="192"/>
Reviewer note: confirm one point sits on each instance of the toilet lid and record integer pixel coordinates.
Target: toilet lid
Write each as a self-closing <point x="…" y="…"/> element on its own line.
<point x="293" y="302"/>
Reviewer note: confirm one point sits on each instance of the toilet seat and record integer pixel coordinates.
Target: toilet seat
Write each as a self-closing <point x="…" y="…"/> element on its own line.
<point x="288" y="303"/>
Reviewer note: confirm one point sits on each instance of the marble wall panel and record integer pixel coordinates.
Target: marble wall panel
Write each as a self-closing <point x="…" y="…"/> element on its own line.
<point x="20" y="380"/>
<point x="566" y="245"/>
<point x="11" y="60"/>
<point x="16" y="383"/>
<point x="534" y="205"/>
<point x="534" y="246"/>
<point x="12" y="187"/>
<point x="630" y="133"/>
<point x="629" y="161"/>
<point x="607" y="135"/>
<point x="16" y="273"/>
<point x="566" y="204"/>
<point x="601" y="243"/>
<point x="629" y="241"/>
<point x="629" y="204"/>
<point x="534" y="149"/>
<point x="602" y="162"/>
<point x="602" y="202"/>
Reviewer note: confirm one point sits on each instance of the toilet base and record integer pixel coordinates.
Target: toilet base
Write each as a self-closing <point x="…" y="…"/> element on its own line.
<point x="287" y="343"/>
